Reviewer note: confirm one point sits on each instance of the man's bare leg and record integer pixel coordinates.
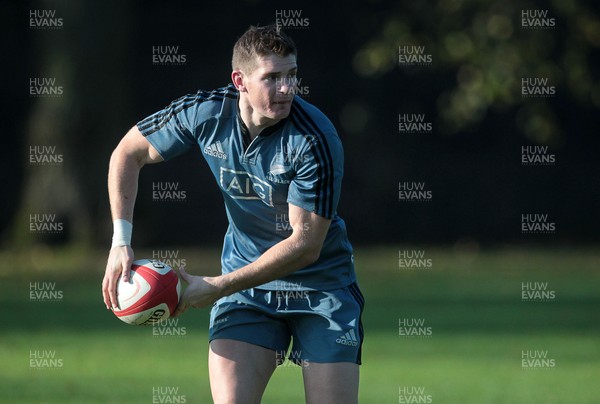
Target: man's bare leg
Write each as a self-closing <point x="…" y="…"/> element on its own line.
<point x="239" y="371"/>
<point x="331" y="383"/>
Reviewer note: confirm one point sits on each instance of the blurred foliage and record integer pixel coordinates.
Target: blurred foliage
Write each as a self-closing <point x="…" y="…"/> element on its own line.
<point x="349" y="56"/>
<point x="487" y="50"/>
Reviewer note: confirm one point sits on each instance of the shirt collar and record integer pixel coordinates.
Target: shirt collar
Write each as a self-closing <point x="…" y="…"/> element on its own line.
<point x="269" y="130"/>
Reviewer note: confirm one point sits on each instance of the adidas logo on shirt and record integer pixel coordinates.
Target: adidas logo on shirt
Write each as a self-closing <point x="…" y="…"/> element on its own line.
<point x="348" y="339"/>
<point x="215" y="150"/>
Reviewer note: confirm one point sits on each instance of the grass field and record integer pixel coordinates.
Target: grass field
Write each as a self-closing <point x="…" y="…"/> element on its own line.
<point x="471" y="303"/>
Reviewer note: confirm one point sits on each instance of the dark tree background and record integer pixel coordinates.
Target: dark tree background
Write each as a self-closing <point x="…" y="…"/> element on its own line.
<point x="348" y="59"/>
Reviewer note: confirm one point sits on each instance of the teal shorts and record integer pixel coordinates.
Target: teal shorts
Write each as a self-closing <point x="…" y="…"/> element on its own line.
<point x="322" y="326"/>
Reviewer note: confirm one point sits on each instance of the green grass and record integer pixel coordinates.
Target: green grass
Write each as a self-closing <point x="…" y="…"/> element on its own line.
<point x="471" y="300"/>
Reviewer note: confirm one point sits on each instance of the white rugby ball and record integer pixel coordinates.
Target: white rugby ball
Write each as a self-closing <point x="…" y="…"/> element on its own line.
<point x="151" y="294"/>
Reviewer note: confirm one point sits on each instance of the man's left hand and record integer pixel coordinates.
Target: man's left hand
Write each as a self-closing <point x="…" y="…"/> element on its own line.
<point x="201" y="291"/>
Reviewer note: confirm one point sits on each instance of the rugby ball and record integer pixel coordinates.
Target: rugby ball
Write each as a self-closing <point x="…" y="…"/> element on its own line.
<point x="151" y="294"/>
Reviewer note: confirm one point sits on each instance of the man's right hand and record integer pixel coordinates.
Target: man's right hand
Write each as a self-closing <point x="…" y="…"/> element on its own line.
<point x="119" y="264"/>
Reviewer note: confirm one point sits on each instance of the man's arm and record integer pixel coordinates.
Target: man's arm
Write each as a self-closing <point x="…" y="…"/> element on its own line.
<point x="301" y="249"/>
<point x="132" y="153"/>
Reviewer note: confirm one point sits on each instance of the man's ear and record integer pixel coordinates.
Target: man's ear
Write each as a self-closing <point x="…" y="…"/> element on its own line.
<point x="237" y="78"/>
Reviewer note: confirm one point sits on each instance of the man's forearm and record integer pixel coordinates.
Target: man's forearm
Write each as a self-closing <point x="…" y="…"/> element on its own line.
<point x="123" y="176"/>
<point x="280" y="260"/>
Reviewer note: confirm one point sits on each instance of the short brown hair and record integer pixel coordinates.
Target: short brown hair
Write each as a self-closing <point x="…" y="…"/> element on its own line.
<point x="260" y="41"/>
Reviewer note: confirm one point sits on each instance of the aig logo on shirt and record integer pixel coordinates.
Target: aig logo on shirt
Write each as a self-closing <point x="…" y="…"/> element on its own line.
<point x="242" y="185"/>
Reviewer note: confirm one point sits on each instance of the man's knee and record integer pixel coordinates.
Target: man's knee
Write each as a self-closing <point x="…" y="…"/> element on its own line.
<point x="331" y="382"/>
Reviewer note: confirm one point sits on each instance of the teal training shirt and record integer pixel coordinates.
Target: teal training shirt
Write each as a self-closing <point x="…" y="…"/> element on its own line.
<point x="299" y="161"/>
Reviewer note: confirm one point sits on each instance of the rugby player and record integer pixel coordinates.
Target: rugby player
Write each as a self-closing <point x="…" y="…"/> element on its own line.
<point x="288" y="285"/>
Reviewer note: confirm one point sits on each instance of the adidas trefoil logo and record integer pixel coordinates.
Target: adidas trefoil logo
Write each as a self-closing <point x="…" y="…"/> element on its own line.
<point x="216" y="150"/>
<point x="348" y="339"/>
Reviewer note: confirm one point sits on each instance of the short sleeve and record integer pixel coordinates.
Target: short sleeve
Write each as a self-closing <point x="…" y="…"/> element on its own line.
<point x="171" y="131"/>
<point x="317" y="183"/>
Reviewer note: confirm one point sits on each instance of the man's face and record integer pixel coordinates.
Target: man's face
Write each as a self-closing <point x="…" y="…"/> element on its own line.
<point x="270" y="86"/>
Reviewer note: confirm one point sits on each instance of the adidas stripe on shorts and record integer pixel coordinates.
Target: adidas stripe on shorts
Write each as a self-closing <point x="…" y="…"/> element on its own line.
<point x="322" y="326"/>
